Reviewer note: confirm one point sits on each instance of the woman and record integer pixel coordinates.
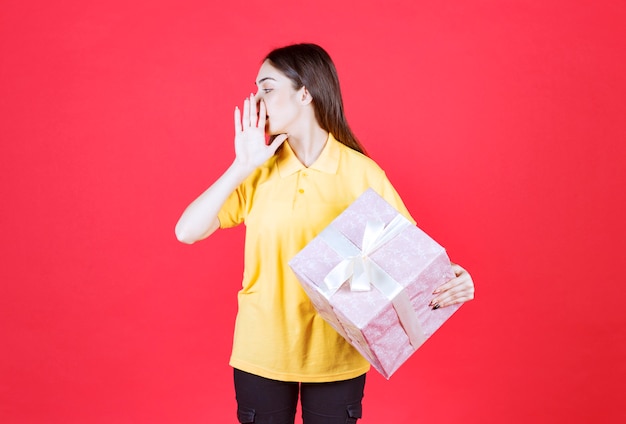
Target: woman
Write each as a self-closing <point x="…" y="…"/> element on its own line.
<point x="287" y="190"/>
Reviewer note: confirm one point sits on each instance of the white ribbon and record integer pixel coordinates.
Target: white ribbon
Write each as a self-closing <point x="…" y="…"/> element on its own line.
<point x="363" y="273"/>
<point x="356" y="265"/>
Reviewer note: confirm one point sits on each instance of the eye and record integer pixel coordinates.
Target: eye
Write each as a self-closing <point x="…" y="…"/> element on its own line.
<point x="266" y="90"/>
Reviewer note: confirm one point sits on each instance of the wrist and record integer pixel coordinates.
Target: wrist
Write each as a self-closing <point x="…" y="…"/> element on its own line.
<point x="241" y="170"/>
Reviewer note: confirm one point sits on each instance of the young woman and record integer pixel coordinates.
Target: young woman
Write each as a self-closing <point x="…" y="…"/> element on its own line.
<point x="286" y="191"/>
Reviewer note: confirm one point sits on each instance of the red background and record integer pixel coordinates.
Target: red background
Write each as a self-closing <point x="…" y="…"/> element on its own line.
<point x="501" y="124"/>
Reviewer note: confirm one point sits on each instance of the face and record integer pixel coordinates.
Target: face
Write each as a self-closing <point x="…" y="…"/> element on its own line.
<point x="283" y="108"/>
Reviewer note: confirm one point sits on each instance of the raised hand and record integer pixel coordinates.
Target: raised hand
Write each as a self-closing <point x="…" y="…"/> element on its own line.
<point x="251" y="149"/>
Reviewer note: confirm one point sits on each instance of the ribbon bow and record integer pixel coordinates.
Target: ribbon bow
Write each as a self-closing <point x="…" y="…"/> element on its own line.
<point x="356" y="265"/>
<point x="364" y="273"/>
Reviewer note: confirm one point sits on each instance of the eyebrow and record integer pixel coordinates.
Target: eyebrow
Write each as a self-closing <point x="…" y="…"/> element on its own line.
<point x="264" y="79"/>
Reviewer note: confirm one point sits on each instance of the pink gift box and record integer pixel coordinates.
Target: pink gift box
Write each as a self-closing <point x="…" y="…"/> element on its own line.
<point x="371" y="274"/>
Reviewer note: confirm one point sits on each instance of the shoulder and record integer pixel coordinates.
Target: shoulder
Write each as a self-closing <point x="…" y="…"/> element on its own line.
<point x="352" y="155"/>
<point x="357" y="161"/>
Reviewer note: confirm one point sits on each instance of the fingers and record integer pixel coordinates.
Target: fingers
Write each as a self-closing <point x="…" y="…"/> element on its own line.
<point x="262" y="114"/>
<point x="238" y="128"/>
<point x="253" y="115"/>
<point x="458" y="269"/>
<point x="460" y="275"/>
<point x="280" y="139"/>
<point x="455" y="295"/>
<point x="250" y="117"/>
<point x="457" y="290"/>
<point x="246" y="114"/>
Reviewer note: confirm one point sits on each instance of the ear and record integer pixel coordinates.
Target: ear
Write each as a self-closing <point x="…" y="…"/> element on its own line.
<point x="304" y="96"/>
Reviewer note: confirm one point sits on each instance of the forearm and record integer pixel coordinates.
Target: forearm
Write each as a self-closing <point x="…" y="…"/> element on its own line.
<point x="199" y="220"/>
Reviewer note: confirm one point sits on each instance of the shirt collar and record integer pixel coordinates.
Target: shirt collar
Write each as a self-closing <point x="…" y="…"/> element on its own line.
<point x="328" y="160"/>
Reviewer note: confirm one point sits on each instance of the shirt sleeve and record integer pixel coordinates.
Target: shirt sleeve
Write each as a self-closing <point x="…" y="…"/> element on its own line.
<point x="232" y="212"/>
<point x="389" y="193"/>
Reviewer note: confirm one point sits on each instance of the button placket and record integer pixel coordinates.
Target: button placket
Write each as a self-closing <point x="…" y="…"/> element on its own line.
<point x="301" y="180"/>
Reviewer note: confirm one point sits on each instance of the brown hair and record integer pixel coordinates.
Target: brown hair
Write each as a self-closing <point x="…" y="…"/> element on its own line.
<point x="310" y="66"/>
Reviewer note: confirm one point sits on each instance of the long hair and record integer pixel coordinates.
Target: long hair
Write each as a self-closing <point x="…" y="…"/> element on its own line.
<point x="310" y="66"/>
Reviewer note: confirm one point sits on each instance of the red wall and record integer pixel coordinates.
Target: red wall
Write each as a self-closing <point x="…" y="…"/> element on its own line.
<point x="501" y="124"/>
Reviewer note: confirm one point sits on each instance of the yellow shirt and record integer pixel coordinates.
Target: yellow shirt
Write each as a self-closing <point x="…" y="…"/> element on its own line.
<point x="278" y="334"/>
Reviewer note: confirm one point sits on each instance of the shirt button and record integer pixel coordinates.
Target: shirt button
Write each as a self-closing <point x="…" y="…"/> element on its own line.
<point x="301" y="190"/>
<point x="304" y="174"/>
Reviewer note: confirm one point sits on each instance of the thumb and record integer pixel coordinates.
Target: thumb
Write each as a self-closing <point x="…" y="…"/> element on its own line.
<point x="280" y="139"/>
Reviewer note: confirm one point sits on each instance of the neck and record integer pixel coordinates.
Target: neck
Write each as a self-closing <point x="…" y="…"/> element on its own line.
<point x="308" y="145"/>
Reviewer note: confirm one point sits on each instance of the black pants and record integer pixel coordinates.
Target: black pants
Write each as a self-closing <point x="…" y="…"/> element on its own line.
<point x="264" y="401"/>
